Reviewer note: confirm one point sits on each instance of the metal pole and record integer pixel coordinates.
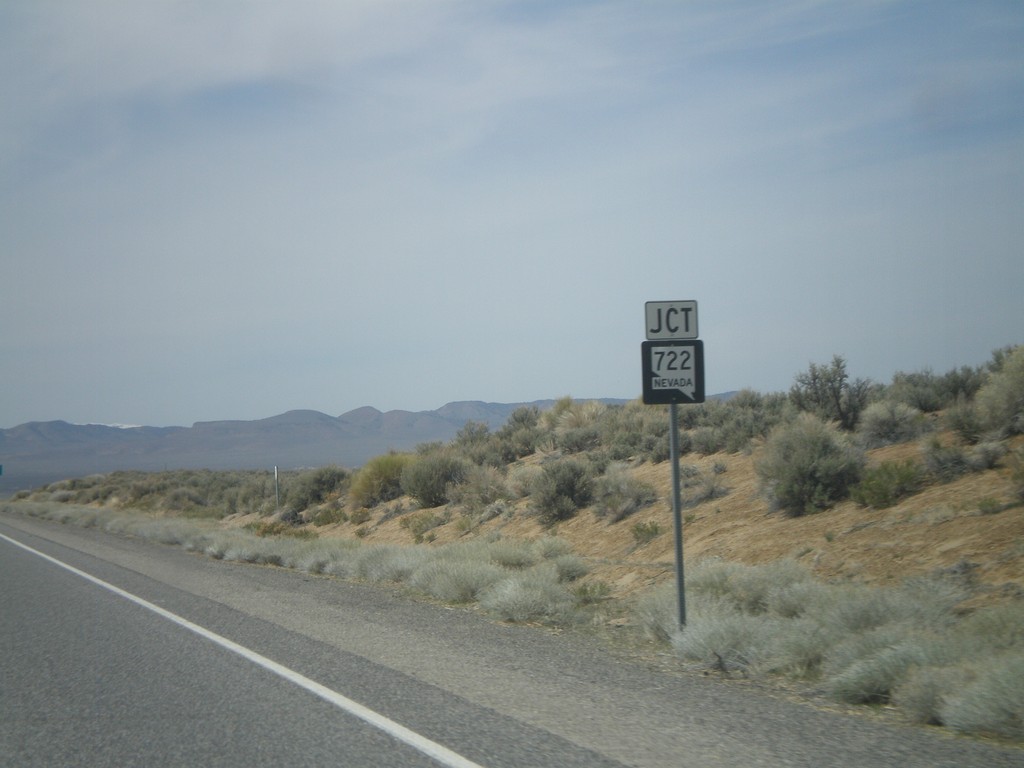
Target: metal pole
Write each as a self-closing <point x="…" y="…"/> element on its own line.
<point x="277" y="491"/>
<point x="677" y="515"/>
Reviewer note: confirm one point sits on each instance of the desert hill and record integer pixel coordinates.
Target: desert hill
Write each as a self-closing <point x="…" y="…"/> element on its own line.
<point x="972" y="526"/>
<point x="37" y="453"/>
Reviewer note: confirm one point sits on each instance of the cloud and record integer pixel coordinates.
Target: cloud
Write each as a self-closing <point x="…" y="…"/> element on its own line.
<point x="238" y="209"/>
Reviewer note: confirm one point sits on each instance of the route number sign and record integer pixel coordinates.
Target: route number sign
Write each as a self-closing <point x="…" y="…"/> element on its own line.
<point x="673" y="371"/>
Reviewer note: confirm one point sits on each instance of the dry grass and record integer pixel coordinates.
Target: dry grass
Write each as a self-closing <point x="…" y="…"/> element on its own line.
<point x="942" y="527"/>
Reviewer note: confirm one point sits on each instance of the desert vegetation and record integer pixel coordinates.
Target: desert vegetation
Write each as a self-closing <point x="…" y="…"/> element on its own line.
<point x="910" y="645"/>
<point x="812" y="516"/>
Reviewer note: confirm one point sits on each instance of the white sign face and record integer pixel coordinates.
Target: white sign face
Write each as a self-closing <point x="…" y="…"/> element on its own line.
<point x="673" y="368"/>
<point x="671" y="320"/>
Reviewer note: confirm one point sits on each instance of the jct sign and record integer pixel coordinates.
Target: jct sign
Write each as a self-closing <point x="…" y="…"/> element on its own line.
<point x="673" y="370"/>
<point x="671" y="319"/>
<point x="673" y="359"/>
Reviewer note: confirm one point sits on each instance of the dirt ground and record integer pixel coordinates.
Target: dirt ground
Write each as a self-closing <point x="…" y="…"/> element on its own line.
<point x="949" y="526"/>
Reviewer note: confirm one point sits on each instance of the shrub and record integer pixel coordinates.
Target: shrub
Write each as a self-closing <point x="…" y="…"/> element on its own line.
<point x="751" y="618"/>
<point x="992" y="630"/>
<point x="701" y="486"/>
<point x="923" y="694"/>
<point x="473" y="434"/>
<point x="1000" y="401"/>
<point x="656" y="449"/>
<point x="929" y="392"/>
<point x="733" y="424"/>
<point x="591" y="592"/>
<point x="887" y="422"/>
<point x="418" y="524"/>
<point x="944" y="462"/>
<point x="883" y="635"/>
<point x="522" y="479"/>
<point x="924" y="603"/>
<point x="636" y="431"/>
<point x="745" y="588"/>
<point x="265" y="528"/>
<point x="324" y="556"/>
<point x="1017" y="474"/>
<point x="181" y="499"/>
<point x="986" y="455"/>
<point x="657" y="613"/>
<point x="645" y="532"/>
<point x="551" y="547"/>
<point x="512" y="554"/>
<point x="890" y="481"/>
<point x="315" y="487"/>
<point x="881" y="663"/>
<point x="570" y="567"/>
<point x="329" y="516"/>
<point x="797" y="598"/>
<point x="568" y="415"/>
<point x="808" y="465"/>
<point x="386" y="562"/>
<point x="706" y="440"/>
<point x="481" y="448"/>
<point x="379" y="480"/>
<point x="725" y="639"/>
<point x="360" y="516"/>
<point x="500" y="508"/>
<point x="561" y="489"/>
<point x="520" y="433"/>
<point x="989" y="506"/>
<point x="480" y="488"/>
<point x="617" y="494"/>
<point x="523" y="417"/>
<point x="531" y="596"/>
<point x="866" y="645"/>
<point x="797" y="649"/>
<point x="993" y="702"/>
<point x="429" y="479"/>
<point x="456" y="581"/>
<point x="962" y="418"/>
<point x="827" y="392"/>
<point x="578" y="440"/>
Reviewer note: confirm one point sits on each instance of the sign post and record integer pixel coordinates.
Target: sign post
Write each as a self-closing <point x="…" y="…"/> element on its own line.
<point x="677" y="511"/>
<point x="673" y="373"/>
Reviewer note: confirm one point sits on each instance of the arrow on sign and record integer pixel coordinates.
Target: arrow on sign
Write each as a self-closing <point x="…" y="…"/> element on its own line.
<point x="672" y="368"/>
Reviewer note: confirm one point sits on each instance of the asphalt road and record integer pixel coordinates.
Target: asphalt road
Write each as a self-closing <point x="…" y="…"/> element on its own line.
<point x="191" y="661"/>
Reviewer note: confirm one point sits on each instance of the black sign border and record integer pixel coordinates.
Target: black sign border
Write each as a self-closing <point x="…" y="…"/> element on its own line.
<point x="653" y="396"/>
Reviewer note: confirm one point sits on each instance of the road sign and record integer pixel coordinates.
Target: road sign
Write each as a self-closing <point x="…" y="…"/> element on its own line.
<point x="673" y="371"/>
<point x="671" y="319"/>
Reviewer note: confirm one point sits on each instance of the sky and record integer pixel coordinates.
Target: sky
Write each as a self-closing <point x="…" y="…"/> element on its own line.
<point x="228" y="209"/>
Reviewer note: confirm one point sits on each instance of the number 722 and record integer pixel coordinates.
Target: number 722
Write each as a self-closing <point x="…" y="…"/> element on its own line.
<point x="671" y="359"/>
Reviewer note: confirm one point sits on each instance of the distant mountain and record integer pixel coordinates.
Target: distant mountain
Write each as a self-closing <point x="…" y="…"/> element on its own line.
<point x="38" y="453"/>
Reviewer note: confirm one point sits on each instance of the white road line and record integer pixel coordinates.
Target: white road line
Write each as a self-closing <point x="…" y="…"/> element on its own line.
<point x="434" y="750"/>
